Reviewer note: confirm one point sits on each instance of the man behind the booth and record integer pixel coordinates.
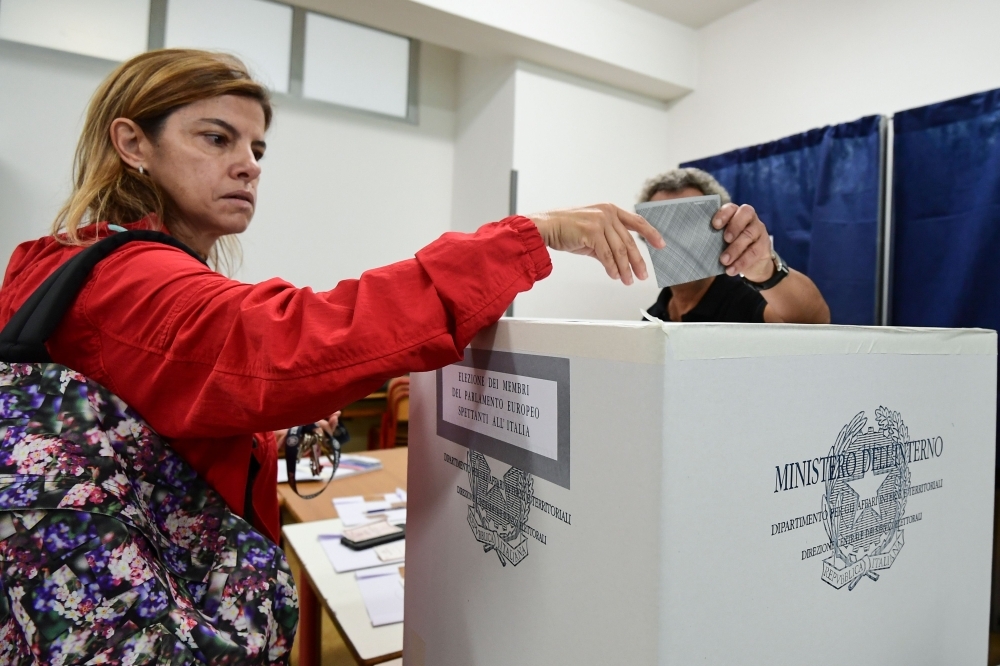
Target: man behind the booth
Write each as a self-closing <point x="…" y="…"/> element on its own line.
<point x="758" y="287"/>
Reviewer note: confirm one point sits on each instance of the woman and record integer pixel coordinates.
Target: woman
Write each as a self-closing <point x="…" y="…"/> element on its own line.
<point x="172" y="142"/>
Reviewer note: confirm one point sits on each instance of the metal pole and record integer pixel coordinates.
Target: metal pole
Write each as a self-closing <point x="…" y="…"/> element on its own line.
<point x="157" y="25"/>
<point x="885" y="225"/>
<point x="296" y="63"/>
<point x="880" y="222"/>
<point x="512" y="210"/>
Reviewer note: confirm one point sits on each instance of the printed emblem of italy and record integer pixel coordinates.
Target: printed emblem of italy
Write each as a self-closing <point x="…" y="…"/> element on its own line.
<point x="499" y="509"/>
<point x="865" y="499"/>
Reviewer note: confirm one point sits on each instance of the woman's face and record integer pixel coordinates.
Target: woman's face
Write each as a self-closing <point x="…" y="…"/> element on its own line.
<point x="206" y="158"/>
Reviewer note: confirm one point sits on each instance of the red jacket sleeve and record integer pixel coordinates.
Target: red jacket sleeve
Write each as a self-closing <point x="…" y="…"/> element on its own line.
<point x="200" y="355"/>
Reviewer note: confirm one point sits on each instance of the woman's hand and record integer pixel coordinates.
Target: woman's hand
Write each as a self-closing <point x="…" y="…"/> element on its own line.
<point x="602" y="232"/>
<point x="328" y="425"/>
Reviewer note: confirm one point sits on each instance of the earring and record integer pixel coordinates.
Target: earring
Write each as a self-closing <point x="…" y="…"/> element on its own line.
<point x="142" y="171"/>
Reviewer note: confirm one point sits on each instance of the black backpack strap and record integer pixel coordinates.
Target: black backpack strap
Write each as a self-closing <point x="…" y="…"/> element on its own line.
<point x="23" y="339"/>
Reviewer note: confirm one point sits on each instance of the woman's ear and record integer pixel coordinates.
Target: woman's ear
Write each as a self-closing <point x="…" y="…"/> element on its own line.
<point x="130" y="142"/>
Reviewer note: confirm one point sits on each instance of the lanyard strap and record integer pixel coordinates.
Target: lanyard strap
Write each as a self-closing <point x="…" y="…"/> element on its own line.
<point x="312" y="437"/>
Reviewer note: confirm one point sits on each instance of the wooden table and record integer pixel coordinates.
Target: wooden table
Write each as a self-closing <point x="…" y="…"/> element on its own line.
<point x="340" y="596"/>
<point x="338" y="592"/>
<point x="386" y="480"/>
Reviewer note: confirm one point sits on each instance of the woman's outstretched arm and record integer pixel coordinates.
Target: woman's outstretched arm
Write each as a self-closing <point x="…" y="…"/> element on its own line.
<point x="200" y="355"/>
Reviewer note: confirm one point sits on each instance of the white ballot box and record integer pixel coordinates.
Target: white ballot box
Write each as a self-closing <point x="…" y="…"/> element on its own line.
<point x="619" y="493"/>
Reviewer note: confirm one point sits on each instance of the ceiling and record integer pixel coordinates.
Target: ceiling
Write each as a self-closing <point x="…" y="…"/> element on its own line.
<point x="693" y="13"/>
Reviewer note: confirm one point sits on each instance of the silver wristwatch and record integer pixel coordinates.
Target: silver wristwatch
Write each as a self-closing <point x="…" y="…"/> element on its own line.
<point x="780" y="273"/>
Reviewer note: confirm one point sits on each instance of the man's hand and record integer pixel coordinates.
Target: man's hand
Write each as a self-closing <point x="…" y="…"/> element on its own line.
<point x="749" y="247"/>
<point x="795" y="299"/>
<point x="602" y="232"/>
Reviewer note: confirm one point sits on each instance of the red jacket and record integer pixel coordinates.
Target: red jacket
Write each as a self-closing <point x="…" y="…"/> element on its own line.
<point x="207" y="360"/>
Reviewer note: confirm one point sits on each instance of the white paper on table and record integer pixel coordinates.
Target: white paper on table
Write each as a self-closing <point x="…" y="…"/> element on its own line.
<point x="353" y="510"/>
<point x="375" y="572"/>
<point x="348" y="467"/>
<point x="396" y="516"/>
<point x="382" y="593"/>
<point x="392" y="551"/>
<point x="345" y="559"/>
<point x="303" y="472"/>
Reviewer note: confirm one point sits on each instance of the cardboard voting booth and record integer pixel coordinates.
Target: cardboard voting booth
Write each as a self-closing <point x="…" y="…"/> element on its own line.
<point x="617" y="493"/>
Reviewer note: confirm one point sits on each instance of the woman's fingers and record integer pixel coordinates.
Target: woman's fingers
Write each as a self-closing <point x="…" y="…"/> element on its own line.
<point x="603" y="253"/>
<point x="619" y="252"/>
<point x="638" y="224"/>
<point x="635" y="259"/>
<point x="601" y="231"/>
<point x="652" y="236"/>
<point x="329" y="424"/>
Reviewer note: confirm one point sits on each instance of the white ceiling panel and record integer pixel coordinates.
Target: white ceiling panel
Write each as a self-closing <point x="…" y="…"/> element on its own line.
<point x="109" y="29"/>
<point x="257" y="31"/>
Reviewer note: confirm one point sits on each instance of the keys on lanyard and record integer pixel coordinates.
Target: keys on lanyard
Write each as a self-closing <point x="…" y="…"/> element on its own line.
<point x="314" y="442"/>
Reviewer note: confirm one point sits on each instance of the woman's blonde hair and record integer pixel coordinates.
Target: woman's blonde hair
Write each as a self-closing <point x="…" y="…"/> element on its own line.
<point x="146" y="90"/>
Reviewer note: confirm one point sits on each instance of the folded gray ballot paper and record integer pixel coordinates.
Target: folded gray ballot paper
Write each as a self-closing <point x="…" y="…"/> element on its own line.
<point x="693" y="245"/>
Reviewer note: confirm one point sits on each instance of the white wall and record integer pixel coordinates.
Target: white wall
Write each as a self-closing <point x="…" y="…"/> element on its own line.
<point x="484" y="141"/>
<point x="41" y="114"/>
<point x="778" y="67"/>
<point x="341" y="191"/>
<point x="578" y="143"/>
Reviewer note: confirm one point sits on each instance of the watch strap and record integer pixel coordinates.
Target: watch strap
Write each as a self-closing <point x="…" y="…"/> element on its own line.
<point x="780" y="273"/>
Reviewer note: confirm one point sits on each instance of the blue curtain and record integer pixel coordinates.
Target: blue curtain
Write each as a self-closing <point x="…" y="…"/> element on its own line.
<point x="946" y="199"/>
<point x="818" y="194"/>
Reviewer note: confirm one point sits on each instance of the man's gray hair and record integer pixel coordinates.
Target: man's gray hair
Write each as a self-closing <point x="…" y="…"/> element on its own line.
<point x="676" y="180"/>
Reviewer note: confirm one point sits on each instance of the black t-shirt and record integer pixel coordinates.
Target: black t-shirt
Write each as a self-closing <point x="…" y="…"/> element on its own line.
<point x="728" y="299"/>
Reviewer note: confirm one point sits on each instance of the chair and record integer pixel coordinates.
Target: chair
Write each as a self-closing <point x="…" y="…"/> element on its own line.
<point x="395" y="419"/>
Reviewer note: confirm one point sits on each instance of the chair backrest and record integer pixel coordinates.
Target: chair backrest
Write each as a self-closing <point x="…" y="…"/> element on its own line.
<point x="397" y="411"/>
<point x="399" y="398"/>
